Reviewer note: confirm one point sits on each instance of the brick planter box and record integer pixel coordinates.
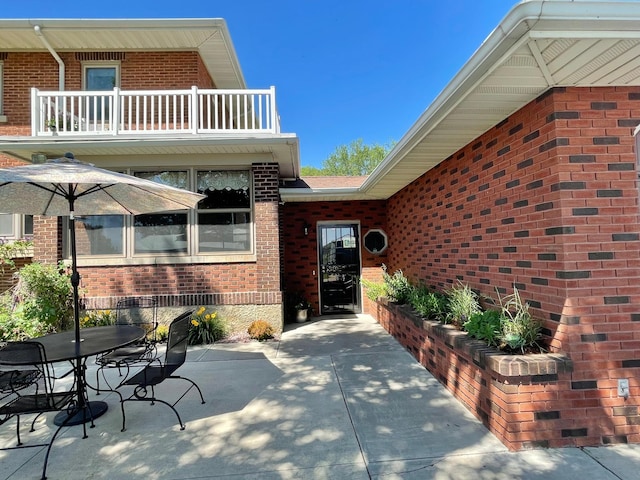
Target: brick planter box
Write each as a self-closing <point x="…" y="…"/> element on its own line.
<point x="527" y="401"/>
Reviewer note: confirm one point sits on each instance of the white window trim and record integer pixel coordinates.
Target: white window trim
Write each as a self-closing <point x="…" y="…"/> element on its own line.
<point x="18" y="228"/>
<point x="193" y="256"/>
<point x="97" y="64"/>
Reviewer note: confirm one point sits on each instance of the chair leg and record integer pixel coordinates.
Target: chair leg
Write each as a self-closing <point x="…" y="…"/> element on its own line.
<point x="46" y="457"/>
<point x="192" y="383"/>
<point x="152" y="402"/>
<point x="18" y="429"/>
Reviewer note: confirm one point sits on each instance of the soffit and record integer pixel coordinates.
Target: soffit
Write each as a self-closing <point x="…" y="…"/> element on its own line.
<point x="282" y="149"/>
<point x="210" y="37"/>
<point x="526" y="55"/>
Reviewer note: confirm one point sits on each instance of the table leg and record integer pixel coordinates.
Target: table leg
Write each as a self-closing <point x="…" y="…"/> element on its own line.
<point x="90" y="411"/>
<point x="85" y="410"/>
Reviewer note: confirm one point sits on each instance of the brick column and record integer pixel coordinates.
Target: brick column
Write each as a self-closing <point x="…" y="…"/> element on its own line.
<point x="265" y="179"/>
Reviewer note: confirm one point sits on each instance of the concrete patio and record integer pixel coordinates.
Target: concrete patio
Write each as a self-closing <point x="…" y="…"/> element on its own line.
<point x="336" y="398"/>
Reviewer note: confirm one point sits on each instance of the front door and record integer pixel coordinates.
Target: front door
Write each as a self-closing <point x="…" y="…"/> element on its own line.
<point x="339" y="252"/>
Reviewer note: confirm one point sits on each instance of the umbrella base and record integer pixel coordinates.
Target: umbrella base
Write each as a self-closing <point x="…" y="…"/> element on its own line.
<point x="91" y="410"/>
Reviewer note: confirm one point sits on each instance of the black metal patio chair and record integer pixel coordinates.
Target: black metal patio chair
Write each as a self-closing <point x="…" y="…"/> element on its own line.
<point x="28" y="383"/>
<point x="145" y="381"/>
<point x="141" y="312"/>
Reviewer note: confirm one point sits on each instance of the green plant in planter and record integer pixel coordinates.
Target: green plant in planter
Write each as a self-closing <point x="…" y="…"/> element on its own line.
<point x="486" y="326"/>
<point x="428" y="303"/>
<point x="462" y="304"/>
<point x="519" y="329"/>
<point x="374" y="290"/>
<point x="397" y="286"/>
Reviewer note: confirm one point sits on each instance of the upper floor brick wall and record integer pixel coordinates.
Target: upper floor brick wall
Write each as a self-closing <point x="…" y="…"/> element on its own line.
<point x="138" y="71"/>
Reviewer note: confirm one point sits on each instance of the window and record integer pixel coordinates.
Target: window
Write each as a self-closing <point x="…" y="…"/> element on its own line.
<point x="375" y="241"/>
<point x="162" y="232"/>
<point x="224" y="217"/>
<point x="13" y="226"/>
<point x="6" y="225"/>
<point x="221" y="225"/>
<point x="100" y="77"/>
<point x="100" y="235"/>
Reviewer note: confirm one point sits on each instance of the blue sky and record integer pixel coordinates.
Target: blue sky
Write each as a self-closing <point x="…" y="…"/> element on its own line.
<point x="343" y="69"/>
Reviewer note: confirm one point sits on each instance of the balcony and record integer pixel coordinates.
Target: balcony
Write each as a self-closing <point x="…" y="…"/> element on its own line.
<point x="153" y="112"/>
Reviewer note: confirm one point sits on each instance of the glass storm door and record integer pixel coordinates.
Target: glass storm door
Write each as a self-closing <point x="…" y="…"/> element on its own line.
<point x="339" y="251"/>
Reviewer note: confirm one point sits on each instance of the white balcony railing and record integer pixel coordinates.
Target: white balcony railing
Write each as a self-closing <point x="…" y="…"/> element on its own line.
<point x="152" y="112"/>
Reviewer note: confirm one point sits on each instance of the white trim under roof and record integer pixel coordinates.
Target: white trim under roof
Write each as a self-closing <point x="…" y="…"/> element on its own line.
<point x="208" y="36"/>
<point x="538" y="45"/>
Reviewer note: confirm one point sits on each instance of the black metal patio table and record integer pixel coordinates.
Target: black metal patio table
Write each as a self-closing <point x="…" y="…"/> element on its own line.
<point x="60" y="347"/>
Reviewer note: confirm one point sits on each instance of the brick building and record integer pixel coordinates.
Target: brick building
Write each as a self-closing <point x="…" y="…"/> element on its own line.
<point x="523" y="171"/>
<point x="165" y="100"/>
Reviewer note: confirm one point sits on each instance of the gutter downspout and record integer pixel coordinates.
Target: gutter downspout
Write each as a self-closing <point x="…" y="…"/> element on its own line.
<point x="54" y="54"/>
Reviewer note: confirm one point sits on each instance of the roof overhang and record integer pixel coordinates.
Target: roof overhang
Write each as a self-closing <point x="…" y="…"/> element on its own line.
<point x="242" y="150"/>
<point x="210" y="37"/>
<point x="537" y="46"/>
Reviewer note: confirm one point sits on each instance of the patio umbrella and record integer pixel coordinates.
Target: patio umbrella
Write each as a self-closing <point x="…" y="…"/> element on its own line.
<point x="69" y="187"/>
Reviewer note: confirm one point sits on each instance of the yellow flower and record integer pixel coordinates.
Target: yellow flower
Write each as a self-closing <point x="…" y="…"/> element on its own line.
<point x="201" y="311"/>
<point x="214" y="315"/>
<point x="195" y="323"/>
<point x="207" y="316"/>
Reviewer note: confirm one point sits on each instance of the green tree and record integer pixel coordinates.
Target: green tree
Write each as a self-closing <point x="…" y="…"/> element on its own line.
<point x="351" y="160"/>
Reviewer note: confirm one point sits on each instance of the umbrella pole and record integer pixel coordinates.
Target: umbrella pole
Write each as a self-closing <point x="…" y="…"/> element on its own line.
<point x="85" y="410"/>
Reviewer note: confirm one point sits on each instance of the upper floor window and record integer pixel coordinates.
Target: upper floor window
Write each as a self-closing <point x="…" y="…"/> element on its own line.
<point x="100" y="77"/>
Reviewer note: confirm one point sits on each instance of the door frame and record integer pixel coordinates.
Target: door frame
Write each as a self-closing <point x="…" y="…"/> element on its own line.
<point x="327" y="223"/>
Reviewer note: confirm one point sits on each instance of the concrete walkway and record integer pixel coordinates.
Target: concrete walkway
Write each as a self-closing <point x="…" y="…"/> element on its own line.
<point x="336" y="398"/>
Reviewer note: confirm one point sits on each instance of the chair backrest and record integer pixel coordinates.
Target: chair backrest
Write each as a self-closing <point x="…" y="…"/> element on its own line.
<point x="23" y="364"/>
<point x="177" y="340"/>
<point x="139" y="311"/>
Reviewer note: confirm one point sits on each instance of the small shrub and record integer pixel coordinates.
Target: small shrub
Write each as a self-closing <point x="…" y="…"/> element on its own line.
<point x="14" y="326"/>
<point x="519" y="329"/>
<point x="206" y="327"/>
<point x="46" y="295"/>
<point x="486" y="326"/>
<point x="428" y="303"/>
<point x="97" y="318"/>
<point x="462" y="304"/>
<point x="260" y="330"/>
<point x="397" y="285"/>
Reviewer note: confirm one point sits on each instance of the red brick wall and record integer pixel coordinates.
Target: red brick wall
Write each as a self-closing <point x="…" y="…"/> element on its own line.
<point x="548" y="200"/>
<point x="138" y="71"/>
<point x="225" y="283"/>
<point x="300" y="251"/>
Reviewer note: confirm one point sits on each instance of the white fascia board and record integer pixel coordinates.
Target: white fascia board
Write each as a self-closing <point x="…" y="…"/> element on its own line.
<point x="579" y="17"/>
